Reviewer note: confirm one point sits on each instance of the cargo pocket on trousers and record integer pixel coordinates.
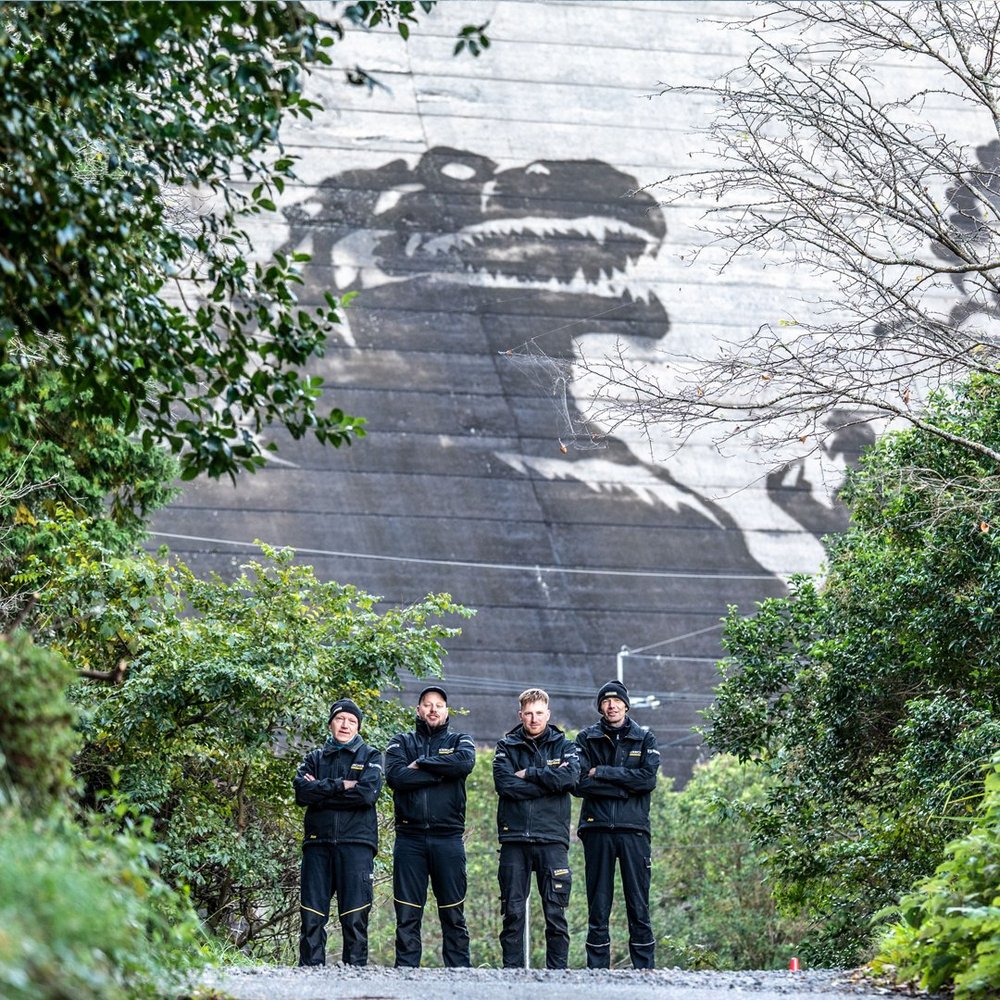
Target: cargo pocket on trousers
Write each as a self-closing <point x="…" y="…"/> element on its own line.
<point x="367" y="889"/>
<point x="558" y="884"/>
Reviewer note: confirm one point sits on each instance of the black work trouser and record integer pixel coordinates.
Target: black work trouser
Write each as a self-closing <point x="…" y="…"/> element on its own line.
<point x="550" y="863"/>
<point x="344" y="871"/>
<point x="630" y="848"/>
<point x="416" y="858"/>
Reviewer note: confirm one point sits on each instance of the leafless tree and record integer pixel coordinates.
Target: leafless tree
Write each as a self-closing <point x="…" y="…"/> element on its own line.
<point x="825" y="160"/>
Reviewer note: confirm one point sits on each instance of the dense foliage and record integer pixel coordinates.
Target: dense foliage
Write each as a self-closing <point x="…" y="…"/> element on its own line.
<point x="61" y="463"/>
<point x="109" y="111"/>
<point x="136" y="139"/>
<point x="37" y="742"/>
<point x="949" y="931"/>
<point x="873" y="700"/>
<point x="83" y="913"/>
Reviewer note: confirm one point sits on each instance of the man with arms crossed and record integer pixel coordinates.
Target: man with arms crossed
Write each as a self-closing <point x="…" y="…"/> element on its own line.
<point x="338" y="784"/>
<point x="426" y="770"/>
<point x="619" y="765"/>
<point x="534" y="769"/>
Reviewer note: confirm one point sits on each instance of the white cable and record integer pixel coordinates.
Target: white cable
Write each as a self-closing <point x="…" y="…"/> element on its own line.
<point x="676" y="638"/>
<point x="516" y="567"/>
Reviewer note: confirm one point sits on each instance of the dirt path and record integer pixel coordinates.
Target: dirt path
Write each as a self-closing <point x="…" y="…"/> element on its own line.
<point x="376" y="983"/>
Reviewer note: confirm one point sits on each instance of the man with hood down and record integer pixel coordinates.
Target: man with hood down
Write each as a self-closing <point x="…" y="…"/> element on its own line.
<point x="426" y="770"/>
<point x="619" y="765"/>
<point x="338" y="784"/>
<point x="534" y="769"/>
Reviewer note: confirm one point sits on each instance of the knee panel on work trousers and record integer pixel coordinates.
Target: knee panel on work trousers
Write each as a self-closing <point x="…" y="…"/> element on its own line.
<point x="449" y="882"/>
<point x="354" y="904"/>
<point x="409" y="891"/>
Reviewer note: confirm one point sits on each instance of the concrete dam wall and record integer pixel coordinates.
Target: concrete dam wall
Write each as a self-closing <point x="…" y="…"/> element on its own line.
<point x="484" y="211"/>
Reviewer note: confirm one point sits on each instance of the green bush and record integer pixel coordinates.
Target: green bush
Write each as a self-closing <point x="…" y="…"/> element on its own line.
<point x="83" y="915"/>
<point x="949" y="932"/>
<point x="36" y="739"/>
<point x="871" y="697"/>
<point x="712" y="903"/>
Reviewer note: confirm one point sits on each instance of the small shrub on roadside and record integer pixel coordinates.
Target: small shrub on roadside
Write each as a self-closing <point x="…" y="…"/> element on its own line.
<point x="948" y="936"/>
<point x="84" y="915"/>
<point x="37" y="742"/>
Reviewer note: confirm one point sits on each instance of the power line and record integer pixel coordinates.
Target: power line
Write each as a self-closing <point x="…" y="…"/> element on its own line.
<point x="674" y="638"/>
<point x="672" y="658"/>
<point x="491" y="686"/>
<point x="466" y="564"/>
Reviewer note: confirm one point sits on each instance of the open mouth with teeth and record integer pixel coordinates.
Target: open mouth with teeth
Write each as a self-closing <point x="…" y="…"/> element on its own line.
<point x="560" y="225"/>
<point x="567" y="224"/>
<point x="592" y="252"/>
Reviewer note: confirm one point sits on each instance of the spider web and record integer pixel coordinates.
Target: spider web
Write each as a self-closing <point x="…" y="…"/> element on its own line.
<point x="554" y="378"/>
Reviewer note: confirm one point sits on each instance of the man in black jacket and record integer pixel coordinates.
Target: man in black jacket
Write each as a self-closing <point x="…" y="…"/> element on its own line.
<point x="426" y="770"/>
<point x="338" y="784"/>
<point x="534" y="769"/>
<point x="619" y="764"/>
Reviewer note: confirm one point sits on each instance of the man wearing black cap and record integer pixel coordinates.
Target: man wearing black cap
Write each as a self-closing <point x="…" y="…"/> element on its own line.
<point x="426" y="770"/>
<point x="338" y="784"/>
<point x="619" y="765"/>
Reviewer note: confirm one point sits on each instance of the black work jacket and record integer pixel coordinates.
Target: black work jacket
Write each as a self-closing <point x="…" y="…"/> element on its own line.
<point x="627" y="764"/>
<point x="535" y="808"/>
<point x="335" y="814"/>
<point x="431" y="797"/>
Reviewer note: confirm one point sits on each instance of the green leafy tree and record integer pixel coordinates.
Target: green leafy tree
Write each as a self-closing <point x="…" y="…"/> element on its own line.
<point x="151" y="315"/>
<point x="872" y="698"/>
<point x="63" y="463"/>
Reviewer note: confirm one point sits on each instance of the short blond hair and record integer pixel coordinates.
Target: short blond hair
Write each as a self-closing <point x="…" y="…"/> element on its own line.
<point x="532" y="694"/>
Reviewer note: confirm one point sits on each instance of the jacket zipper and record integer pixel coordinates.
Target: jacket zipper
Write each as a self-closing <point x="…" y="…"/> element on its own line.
<point x="424" y="791"/>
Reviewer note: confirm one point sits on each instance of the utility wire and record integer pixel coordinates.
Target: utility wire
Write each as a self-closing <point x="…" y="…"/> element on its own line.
<point x="512" y="567"/>
<point x="674" y="638"/>
<point x="489" y="685"/>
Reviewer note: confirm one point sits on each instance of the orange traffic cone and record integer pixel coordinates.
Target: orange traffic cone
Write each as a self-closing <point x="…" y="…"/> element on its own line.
<point x="793" y="965"/>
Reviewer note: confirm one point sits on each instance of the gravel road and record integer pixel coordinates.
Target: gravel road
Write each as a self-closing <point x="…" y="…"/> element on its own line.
<point x="337" y="982"/>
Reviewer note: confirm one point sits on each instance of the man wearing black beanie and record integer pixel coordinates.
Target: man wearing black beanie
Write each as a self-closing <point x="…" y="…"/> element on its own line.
<point x="338" y="784"/>
<point x="619" y="765"/>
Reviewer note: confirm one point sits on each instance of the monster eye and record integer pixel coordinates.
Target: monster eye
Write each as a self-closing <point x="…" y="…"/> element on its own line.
<point x="458" y="171"/>
<point x="537" y="168"/>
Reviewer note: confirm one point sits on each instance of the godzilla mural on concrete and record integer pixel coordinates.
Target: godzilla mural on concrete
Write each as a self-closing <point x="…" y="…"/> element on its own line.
<point x="476" y="283"/>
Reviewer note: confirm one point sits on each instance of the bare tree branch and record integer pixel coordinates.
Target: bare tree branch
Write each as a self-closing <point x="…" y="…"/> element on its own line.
<point x="824" y="167"/>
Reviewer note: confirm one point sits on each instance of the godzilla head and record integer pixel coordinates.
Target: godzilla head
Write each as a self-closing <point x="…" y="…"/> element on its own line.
<point x="563" y="226"/>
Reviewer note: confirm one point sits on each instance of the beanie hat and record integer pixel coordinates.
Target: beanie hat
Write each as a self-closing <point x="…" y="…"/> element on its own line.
<point x="613" y="689"/>
<point x="346" y="705"/>
<point x="433" y="687"/>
